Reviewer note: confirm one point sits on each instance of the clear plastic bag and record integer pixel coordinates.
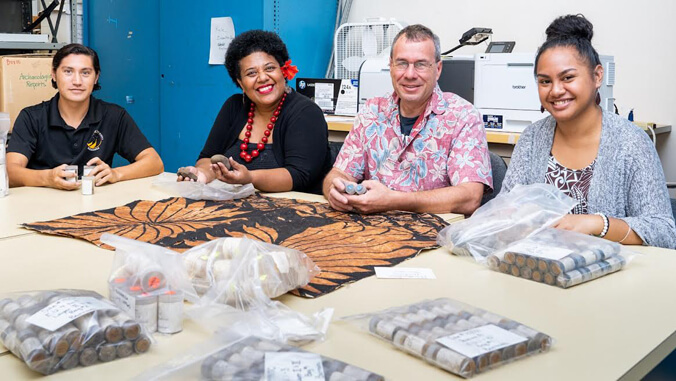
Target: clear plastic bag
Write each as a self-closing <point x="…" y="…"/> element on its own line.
<point x="215" y="190"/>
<point x="560" y="258"/>
<point x="272" y="320"/>
<point x="235" y="271"/>
<point x="454" y="336"/>
<point x="239" y="276"/>
<point x="61" y="329"/>
<point x="149" y="282"/>
<point x="505" y="219"/>
<point x="233" y="357"/>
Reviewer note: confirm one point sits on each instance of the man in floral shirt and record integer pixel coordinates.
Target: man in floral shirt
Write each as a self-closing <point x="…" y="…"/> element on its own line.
<point x="418" y="149"/>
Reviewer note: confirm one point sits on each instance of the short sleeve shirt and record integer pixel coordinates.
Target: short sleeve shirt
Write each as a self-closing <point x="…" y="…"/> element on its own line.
<point x="446" y="147"/>
<point x="41" y="134"/>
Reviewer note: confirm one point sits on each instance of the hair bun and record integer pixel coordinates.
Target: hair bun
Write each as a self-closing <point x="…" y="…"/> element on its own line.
<point x="570" y="26"/>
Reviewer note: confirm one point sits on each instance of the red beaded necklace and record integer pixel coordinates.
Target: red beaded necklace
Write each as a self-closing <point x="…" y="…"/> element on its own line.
<point x="249" y="126"/>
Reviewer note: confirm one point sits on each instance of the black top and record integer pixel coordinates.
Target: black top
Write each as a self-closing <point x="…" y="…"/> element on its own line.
<point x="407" y="124"/>
<point x="41" y="134"/>
<point x="265" y="160"/>
<point x="300" y="140"/>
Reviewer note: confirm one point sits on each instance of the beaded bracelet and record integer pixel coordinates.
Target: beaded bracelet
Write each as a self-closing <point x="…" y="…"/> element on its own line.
<point x="606" y="225"/>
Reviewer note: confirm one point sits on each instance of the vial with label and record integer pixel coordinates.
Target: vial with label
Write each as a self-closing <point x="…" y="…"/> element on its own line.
<point x="170" y="312"/>
<point x="146" y="311"/>
<point x="87" y="185"/>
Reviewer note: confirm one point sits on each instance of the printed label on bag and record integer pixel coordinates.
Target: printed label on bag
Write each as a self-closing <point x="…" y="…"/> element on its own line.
<point x="63" y="311"/>
<point x="293" y="366"/>
<point x="539" y="250"/>
<point x="478" y="341"/>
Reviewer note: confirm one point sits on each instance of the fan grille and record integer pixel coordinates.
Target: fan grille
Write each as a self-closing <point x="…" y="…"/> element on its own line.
<point x="355" y="42"/>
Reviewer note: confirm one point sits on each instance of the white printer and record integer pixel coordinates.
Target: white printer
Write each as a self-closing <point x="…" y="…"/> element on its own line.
<point x="504" y="86"/>
<point x="505" y="90"/>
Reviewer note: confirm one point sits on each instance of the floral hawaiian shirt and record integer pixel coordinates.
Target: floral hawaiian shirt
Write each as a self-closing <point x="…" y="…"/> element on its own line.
<point x="447" y="145"/>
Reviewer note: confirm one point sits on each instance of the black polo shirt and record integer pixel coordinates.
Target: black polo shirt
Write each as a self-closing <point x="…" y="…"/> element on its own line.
<point x="41" y="134"/>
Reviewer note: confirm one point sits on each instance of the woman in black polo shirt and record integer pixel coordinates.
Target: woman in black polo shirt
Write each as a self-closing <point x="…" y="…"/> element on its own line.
<point x="74" y="128"/>
<point x="274" y="137"/>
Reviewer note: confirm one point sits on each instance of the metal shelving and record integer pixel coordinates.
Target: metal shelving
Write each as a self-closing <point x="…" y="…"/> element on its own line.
<point x="46" y="45"/>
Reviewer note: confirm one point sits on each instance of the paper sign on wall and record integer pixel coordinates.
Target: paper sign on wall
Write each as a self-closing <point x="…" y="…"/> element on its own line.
<point x="222" y="33"/>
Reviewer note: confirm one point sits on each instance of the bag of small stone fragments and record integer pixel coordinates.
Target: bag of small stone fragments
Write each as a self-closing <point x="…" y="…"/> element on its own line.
<point x="505" y="219"/>
<point x="215" y="190"/>
<point x="454" y="336"/>
<point x="255" y="358"/>
<point x="61" y="329"/>
<point x="149" y="283"/>
<point x="560" y="258"/>
<point x="238" y="271"/>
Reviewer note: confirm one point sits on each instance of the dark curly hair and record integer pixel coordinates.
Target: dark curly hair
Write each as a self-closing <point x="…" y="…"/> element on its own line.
<point x="76" y="49"/>
<point x="253" y="41"/>
<point x="574" y="31"/>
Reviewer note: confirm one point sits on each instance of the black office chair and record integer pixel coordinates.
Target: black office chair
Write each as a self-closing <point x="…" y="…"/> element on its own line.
<point x="334" y="148"/>
<point x="499" y="169"/>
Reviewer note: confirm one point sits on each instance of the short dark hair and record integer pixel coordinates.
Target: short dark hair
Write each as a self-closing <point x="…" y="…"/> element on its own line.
<point x="76" y="49"/>
<point x="419" y="32"/>
<point x="574" y="31"/>
<point x="253" y="41"/>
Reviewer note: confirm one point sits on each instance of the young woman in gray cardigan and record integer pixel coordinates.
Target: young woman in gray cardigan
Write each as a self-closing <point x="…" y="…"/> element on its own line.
<point x="605" y="162"/>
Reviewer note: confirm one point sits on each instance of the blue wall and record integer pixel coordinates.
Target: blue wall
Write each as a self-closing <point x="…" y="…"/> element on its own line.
<point x="163" y="63"/>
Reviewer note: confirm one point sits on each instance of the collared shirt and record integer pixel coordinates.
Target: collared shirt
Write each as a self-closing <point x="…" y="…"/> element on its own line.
<point x="41" y="134"/>
<point x="447" y="145"/>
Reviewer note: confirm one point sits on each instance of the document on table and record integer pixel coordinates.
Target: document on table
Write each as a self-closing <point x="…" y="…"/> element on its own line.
<point x="404" y="273"/>
<point x="222" y="33"/>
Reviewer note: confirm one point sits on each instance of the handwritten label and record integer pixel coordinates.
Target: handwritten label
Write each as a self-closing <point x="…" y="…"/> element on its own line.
<point x="125" y="301"/>
<point x="222" y="33"/>
<point x="404" y="273"/>
<point x="63" y="311"/>
<point x="478" y="341"/>
<point x="539" y="250"/>
<point x="293" y="366"/>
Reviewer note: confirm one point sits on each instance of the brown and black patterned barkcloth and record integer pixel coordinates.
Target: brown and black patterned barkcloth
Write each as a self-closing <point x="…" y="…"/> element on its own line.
<point x="345" y="246"/>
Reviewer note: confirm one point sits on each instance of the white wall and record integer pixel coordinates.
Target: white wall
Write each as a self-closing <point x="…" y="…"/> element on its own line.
<point x="640" y="34"/>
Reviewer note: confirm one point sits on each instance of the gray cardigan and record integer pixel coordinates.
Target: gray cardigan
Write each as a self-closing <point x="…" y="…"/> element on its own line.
<point x="628" y="181"/>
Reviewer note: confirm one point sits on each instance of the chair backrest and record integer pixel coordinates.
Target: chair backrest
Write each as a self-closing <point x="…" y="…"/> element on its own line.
<point x="334" y="149"/>
<point x="499" y="169"/>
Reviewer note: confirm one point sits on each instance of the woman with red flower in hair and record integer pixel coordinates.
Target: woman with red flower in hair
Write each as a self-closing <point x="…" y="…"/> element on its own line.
<point x="273" y="137"/>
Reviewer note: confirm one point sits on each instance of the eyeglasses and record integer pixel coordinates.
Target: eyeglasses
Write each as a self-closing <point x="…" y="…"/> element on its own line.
<point x="419" y="66"/>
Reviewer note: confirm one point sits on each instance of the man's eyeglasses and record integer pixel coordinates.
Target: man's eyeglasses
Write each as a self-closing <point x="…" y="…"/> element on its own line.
<point x="419" y="66"/>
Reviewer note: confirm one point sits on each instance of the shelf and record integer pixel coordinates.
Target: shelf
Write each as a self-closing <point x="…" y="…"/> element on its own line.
<point x="32" y="45"/>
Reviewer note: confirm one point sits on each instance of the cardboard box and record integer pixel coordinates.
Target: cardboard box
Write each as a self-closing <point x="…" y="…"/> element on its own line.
<point x="25" y="80"/>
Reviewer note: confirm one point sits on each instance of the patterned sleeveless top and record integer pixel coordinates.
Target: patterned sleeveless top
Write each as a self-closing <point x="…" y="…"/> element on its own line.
<point x="573" y="182"/>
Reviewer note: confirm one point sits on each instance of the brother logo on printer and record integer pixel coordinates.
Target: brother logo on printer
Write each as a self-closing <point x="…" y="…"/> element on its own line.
<point x="518" y="87"/>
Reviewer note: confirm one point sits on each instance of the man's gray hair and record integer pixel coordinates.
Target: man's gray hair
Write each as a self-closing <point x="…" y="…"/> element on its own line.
<point x="419" y="32"/>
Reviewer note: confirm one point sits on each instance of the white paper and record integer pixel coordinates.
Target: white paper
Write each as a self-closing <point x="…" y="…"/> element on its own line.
<point x="65" y="310"/>
<point x="347" y="99"/>
<point x="535" y="249"/>
<point x="222" y="33"/>
<point x="324" y="96"/>
<point x="478" y="341"/>
<point x="404" y="273"/>
<point x="293" y="366"/>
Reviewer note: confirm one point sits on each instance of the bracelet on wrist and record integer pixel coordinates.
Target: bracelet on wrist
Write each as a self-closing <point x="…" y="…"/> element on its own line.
<point x="606" y="225"/>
